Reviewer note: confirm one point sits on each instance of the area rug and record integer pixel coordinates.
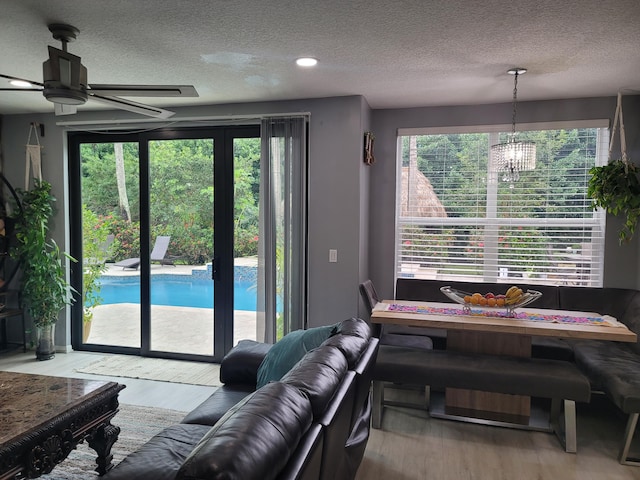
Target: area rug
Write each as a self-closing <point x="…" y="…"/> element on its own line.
<point x="176" y="371"/>
<point x="137" y="424"/>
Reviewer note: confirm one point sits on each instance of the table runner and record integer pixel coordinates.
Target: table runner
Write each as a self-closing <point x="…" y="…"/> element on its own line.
<point x="604" y="320"/>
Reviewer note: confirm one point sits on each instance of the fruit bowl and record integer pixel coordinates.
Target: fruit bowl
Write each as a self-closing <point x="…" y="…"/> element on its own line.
<point x="473" y="300"/>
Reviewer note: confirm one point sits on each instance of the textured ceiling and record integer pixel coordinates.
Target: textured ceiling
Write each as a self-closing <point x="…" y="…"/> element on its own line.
<point x="395" y="53"/>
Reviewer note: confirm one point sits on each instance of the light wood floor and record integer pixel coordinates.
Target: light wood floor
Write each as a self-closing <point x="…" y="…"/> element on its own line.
<point x="410" y="445"/>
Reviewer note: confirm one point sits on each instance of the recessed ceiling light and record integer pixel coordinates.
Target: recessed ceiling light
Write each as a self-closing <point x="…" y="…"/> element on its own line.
<point x="20" y="83"/>
<point x="306" y="62"/>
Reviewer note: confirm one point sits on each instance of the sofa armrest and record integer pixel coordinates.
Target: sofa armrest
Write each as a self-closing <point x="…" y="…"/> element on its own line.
<point x="241" y="364"/>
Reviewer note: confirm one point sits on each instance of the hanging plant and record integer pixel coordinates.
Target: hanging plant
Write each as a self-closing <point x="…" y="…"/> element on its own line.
<point x="615" y="187"/>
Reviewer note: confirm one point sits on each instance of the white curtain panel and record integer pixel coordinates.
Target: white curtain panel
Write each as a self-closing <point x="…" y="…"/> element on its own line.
<point x="283" y="208"/>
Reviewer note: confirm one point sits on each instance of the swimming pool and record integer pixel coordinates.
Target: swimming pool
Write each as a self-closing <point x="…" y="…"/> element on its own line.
<point x="176" y="290"/>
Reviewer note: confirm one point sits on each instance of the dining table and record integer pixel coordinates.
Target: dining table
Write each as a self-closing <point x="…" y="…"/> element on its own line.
<point x="496" y="331"/>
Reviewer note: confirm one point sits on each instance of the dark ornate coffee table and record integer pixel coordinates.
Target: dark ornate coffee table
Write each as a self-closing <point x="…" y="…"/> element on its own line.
<point x="43" y="418"/>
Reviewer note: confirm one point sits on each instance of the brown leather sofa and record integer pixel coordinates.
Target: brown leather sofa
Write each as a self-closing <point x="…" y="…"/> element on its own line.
<point x="311" y="424"/>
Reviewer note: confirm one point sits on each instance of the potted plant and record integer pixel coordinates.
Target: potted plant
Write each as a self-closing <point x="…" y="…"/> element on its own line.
<point x="44" y="288"/>
<point x="616" y="188"/>
<point x="95" y="250"/>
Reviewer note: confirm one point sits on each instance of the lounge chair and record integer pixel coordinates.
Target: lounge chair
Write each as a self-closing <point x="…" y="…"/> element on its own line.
<point x="133" y="262"/>
<point x="158" y="254"/>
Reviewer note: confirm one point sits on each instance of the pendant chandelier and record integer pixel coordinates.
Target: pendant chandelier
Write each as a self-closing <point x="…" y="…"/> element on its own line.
<point x="513" y="157"/>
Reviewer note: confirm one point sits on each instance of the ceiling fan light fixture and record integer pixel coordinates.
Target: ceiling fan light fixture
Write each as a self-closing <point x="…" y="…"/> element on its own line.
<point x="65" y="83"/>
<point x="65" y="78"/>
<point x="65" y="96"/>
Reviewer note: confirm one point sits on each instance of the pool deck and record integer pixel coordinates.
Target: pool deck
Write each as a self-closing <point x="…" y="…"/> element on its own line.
<point x="173" y="329"/>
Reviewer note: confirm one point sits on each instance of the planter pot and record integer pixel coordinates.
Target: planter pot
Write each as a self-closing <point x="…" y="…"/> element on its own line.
<point x="45" y="342"/>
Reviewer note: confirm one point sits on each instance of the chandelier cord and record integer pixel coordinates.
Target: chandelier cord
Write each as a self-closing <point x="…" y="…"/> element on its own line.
<point x="515" y="101"/>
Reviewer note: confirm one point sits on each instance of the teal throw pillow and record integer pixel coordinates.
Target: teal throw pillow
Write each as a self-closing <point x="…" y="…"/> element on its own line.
<point x="289" y="350"/>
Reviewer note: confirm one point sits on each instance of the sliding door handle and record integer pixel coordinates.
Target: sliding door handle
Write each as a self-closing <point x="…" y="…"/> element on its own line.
<point x="214" y="269"/>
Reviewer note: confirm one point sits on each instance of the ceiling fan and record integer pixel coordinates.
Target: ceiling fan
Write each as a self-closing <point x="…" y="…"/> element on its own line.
<point x="65" y="83"/>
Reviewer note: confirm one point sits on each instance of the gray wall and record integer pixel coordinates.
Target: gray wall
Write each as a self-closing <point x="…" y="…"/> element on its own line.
<point x="365" y="175"/>
<point x="335" y="189"/>
<point x="351" y="205"/>
<point x="621" y="262"/>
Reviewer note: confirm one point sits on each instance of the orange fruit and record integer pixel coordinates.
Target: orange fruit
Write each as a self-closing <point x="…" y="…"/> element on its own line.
<point x="491" y="302"/>
<point x="467" y="299"/>
<point x="500" y="302"/>
<point x="482" y="301"/>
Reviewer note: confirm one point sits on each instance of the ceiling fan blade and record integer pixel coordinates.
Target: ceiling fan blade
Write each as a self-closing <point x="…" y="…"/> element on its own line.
<point x="18" y="89"/>
<point x="62" y="109"/>
<point x="133" y="106"/>
<point x="9" y="77"/>
<point x="144" y="90"/>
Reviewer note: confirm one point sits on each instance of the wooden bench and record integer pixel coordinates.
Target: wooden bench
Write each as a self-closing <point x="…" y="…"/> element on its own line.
<point x="557" y="380"/>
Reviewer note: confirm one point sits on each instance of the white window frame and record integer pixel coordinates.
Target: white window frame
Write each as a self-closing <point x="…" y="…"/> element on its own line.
<point x="491" y="271"/>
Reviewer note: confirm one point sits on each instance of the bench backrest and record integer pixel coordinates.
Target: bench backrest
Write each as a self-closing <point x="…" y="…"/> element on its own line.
<point x="621" y="303"/>
<point x="429" y="290"/>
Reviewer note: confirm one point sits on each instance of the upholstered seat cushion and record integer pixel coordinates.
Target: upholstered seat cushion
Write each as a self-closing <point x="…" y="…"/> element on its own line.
<point x="552" y="348"/>
<point x="614" y="368"/>
<point x="492" y="373"/>
<point x="161" y="457"/>
<point x="401" y="340"/>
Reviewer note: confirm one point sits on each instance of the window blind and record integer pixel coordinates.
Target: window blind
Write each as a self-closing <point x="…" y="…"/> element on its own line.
<point x="458" y="220"/>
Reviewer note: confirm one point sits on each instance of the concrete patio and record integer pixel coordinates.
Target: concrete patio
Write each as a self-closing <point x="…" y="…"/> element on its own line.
<point x="173" y="329"/>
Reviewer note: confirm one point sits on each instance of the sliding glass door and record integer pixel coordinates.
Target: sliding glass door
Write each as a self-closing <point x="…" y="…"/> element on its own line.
<point x="166" y="228"/>
<point x="181" y="213"/>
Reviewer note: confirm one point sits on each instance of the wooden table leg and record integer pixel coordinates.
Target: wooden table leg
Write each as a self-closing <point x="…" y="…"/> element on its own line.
<point x="101" y="440"/>
<point x="488" y="405"/>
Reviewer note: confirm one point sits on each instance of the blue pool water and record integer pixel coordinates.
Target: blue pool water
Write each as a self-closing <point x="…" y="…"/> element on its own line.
<point x="177" y="291"/>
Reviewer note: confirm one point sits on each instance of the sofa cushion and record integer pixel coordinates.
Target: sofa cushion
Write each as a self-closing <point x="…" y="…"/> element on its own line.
<point x="214" y="407"/>
<point x="318" y="375"/>
<point x="241" y="364"/>
<point x="282" y="356"/>
<point x="353" y="326"/>
<point x="254" y="439"/>
<point x="350" y="346"/>
<point x="161" y="457"/>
